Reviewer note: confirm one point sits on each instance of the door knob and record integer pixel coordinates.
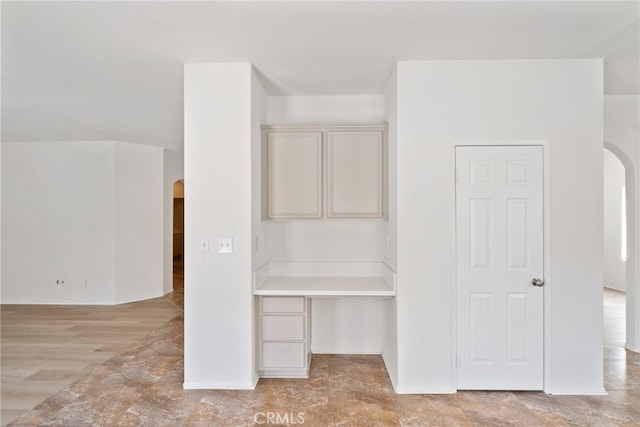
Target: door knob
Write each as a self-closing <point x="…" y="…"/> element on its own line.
<point x="537" y="282"/>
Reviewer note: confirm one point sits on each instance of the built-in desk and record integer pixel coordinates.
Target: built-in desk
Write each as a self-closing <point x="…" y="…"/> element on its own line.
<point x="285" y="290"/>
<point x="325" y="287"/>
<point x="324" y="279"/>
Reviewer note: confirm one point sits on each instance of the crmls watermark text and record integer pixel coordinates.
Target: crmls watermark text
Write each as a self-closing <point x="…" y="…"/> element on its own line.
<point x="279" y="418"/>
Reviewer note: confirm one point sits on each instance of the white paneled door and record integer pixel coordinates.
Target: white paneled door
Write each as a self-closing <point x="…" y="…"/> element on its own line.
<point x="499" y="244"/>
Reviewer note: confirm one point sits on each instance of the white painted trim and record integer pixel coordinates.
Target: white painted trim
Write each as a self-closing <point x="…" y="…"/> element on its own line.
<point x="50" y="301"/>
<point x="323" y="127"/>
<point x="219" y="386"/>
<point x="580" y="392"/>
<point x="332" y="350"/>
<point x="417" y="390"/>
<point x="454" y="276"/>
<point x="546" y="176"/>
<point x="632" y="348"/>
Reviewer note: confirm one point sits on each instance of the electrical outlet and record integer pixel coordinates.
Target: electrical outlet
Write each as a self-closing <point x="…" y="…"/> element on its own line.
<point x="225" y="246"/>
<point x="54" y="283"/>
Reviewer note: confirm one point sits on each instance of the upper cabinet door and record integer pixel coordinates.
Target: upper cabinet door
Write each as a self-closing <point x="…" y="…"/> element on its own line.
<point x="355" y="174"/>
<point x="294" y="174"/>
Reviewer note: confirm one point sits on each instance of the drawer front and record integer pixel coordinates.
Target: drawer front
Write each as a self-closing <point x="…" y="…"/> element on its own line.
<point x="283" y="304"/>
<point x="283" y="328"/>
<point x="284" y="355"/>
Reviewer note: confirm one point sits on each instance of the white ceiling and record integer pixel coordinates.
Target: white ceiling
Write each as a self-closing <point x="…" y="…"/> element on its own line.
<point x="107" y="70"/>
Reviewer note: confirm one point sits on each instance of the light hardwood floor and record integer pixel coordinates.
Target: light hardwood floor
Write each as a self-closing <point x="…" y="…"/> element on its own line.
<point x="46" y="348"/>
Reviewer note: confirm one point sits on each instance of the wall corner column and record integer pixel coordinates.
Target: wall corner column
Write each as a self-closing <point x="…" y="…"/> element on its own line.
<point x="219" y="313"/>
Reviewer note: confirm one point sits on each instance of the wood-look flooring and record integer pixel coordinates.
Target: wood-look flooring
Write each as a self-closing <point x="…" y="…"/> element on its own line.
<point x="143" y="385"/>
<point x="47" y="347"/>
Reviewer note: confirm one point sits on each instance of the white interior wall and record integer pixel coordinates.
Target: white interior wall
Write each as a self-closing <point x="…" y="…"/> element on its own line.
<point x="139" y="216"/>
<point x="173" y="171"/>
<point x="89" y="213"/>
<point x="326" y="240"/>
<point x="390" y="313"/>
<point x="441" y="102"/>
<point x="260" y="257"/>
<point x="58" y="222"/>
<point x="334" y="110"/>
<point x="346" y="325"/>
<point x="614" y="267"/>
<point x="1" y="299"/>
<point x="332" y="240"/>
<point x="219" y="318"/>
<point x="622" y="137"/>
<point x="259" y="117"/>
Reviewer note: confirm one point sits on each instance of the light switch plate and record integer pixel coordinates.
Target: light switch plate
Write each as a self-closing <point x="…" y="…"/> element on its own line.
<point x="225" y="246"/>
<point x="204" y="244"/>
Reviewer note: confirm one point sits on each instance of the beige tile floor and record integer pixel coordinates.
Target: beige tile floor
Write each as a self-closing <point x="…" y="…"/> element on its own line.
<point x="143" y="386"/>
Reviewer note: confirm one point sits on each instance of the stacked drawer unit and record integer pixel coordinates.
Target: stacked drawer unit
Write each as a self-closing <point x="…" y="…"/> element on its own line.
<point x="284" y="347"/>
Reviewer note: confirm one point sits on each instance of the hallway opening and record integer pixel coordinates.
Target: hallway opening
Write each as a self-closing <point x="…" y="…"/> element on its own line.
<point x="178" y="235"/>
<point x="615" y="223"/>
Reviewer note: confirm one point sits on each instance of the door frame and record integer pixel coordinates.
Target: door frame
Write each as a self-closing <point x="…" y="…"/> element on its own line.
<point x="546" y="215"/>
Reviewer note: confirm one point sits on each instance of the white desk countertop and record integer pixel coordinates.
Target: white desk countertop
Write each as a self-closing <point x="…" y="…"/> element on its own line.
<point x="325" y="286"/>
<point x="318" y="279"/>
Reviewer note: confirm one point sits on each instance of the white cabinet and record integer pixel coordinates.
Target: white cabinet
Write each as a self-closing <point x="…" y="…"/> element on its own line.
<point x="284" y="348"/>
<point x="324" y="171"/>
<point x="294" y="174"/>
<point x="355" y="174"/>
<point x="284" y="360"/>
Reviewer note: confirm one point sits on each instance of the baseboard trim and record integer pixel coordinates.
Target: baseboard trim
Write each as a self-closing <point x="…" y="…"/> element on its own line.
<point x="570" y="392"/>
<point x="218" y="386"/>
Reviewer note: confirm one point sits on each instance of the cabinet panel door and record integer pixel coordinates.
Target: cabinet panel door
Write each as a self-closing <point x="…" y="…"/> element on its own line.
<point x="284" y="355"/>
<point x="283" y="328"/>
<point x="283" y="304"/>
<point x="294" y="163"/>
<point x="355" y="174"/>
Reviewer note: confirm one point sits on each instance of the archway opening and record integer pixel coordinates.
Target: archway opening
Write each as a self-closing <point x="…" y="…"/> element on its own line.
<point x="615" y="253"/>
<point x="615" y="223"/>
